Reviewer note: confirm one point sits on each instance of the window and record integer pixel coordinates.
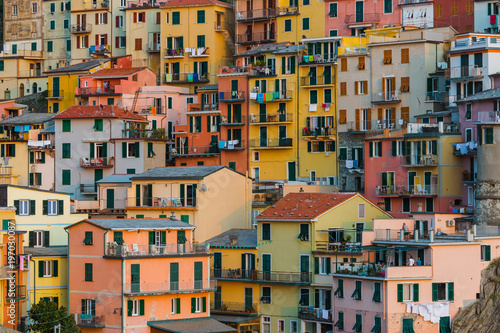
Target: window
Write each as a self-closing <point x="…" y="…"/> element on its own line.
<point x="130" y="149"/>
<point x="429" y="205"/>
<point x="387" y="57"/>
<point x="200" y="41"/>
<point x="387" y="6"/>
<point x="102" y="18"/>
<point x="313" y="97"/>
<point x="119" y="23"/>
<point x="66" y="177"/>
<point x="51" y="206"/>
<point x="201" y="16"/>
<point x="443" y="291"/>
<point x="408" y="325"/>
<point x="339" y="292"/>
<point x="293" y="326"/>
<point x="360" y="87"/>
<point x="333" y="33"/>
<point x="358" y="326"/>
<point x="66" y="150"/>
<point x="406" y="205"/>
<point x="454" y="9"/>
<point x="52" y="25"/>
<point x="357" y="291"/>
<point x="37" y="238"/>
<point x="405" y="84"/>
<point x="343" y="65"/>
<point x="405" y="56"/>
<point x="89" y="239"/>
<point x="305" y="23"/>
<point x="135" y="307"/>
<point x="2" y="65"/>
<point x="176" y="18"/>
<point x="485" y="252"/>
<point x="361" y="63"/>
<point x="288" y="25"/>
<point x="408" y="292"/>
<point x="23" y="207"/>
<point x="327" y="93"/>
<point x="88" y="272"/>
<point x="266" y="295"/>
<point x="361" y="210"/>
<point x="468" y="111"/>
<point x="387" y="204"/>
<point x="487" y="136"/>
<point x="375" y="149"/>
<point x="8" y="150"/>
<point x="322" y="265"/>
<point x="342" y="154"/>
<point x="266" y="231"/>
<point x="47" y="268"/>
<point x="343" y="88"/>
<point x="35" y="178"/>
<point x="340" y="321"/>
<point x="376" y="292"/>
<point x="281" y="325"/>
<point x="34" y="7"/>
<point x="333" y="12"/>
<point x="198" y="304"/>
<point x="175" y="306"/>
<point x="14" y="9"/>
<point x="304" y="297"/>
<point x="304" y="232"/>
<point x="255" y="156"/>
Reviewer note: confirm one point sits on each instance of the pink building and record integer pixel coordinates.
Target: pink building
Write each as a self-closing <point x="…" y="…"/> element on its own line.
<point x="352" y="18"/>
<point x="382" y="292"/>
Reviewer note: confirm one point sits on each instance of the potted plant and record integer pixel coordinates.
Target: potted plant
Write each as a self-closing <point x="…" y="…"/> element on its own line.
<point x="224" y="307"/>
<point x="249" y="308"/>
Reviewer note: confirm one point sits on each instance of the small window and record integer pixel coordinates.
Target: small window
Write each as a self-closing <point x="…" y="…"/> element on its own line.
<point x="408" y="292"/>
<point x="357" y="291"/>
<point x="255" y="156"/>
<point x="266" y="295"/>
<point x="488" y="136"/>
<point x="66" y="177"/>
<point x="38" y="238"/>
<point x="88" y="240"/>
<point x="333" y="12"/>
<point x="281" y="325"/>
<point x="24" y="207"/>
<point x="176" y="18"/>
<point x="312" y="176"/>
<point x="468" y="111"/>
<point x="288" y="25"/>
<point x="304" y="232"/>
<point x="47" y="268"/>
<point x="266" y="231"/>
<point x="334" y="33"/>
<point x="387" y="57"/>
<point x="293" y="326"/>
<point x="201" y="16"/>
<point x="305" y="23"/>
<point x="485" y="252"/>
<point x="52" y="207"/>
<point x="361" y="210"/>
<point x="135" y="307"/>
<point x="89" y="272"/>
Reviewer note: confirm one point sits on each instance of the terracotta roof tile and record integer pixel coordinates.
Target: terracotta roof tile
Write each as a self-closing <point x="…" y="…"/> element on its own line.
<point x="116" y="71"/>
<point x="94" y="111"/>
<point x="186" y="3"/>
<point x="306" y="206"/>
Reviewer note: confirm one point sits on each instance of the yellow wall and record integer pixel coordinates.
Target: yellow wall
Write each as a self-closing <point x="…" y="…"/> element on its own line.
<point x="315" y="11"/>
<point x="18" y="164"/>
<point x="41" y="287"/>
<point x="67" y="85"/>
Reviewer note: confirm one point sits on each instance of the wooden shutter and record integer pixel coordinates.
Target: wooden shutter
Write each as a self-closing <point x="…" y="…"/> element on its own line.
<point x="138" y="44"/>
<point x="105" y="43"/>
<point x="96" y="18"/>
<point x="368" y="119"/>
<point x="400" y="292"/>
<point x="342" y="116"/>
<point x="405" y="115"/>
<point x="77" y="42"/>
<point x="135" y="17"/>
<point x="380" y="114"/>
<point x="405" y="56"/>
<point x="361" y="63"/>
<point x="158" y="18"/>
<point x="343" y="64"/>
<point x="96" y="40"/>
<point x="356" y="87"/>
<point x="358" y="119"/>
<point x="144" y="17"/>
<point x="393" y="85"/>
<point x="105" y="18"/>
<point x="343" y="88"/>
<point x="117" y="21"/>
<point x="117" y="41"/>
<point x="451" y="291"/>
<point x="415" y="292"/>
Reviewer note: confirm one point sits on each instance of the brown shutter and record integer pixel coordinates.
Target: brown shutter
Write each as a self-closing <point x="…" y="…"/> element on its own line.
<point x="380" y="114"/>
<point x="138" y="44"/>
<point x="84" y="19"/>
<point x="393" y="115"/>
<point x="343" y="88"/>
<point x="144" y="17"/>
<point x="366" y="87"/>
<point x="96" y="19"/>
<point x="96" y="40"/>
<point x="343" y="64"/>
<point x="105" y="18"/>
<point x="77" y="19"/>
<point x="106" y="39"/>
<point x="135" y="17"/>
<point x="383" y="86"/>
<point x="342" y="116"/>
<point x="158" y="18"/>
<point x="77" y="42"/>
<point x="356" y="87"/>
<point x="117" y="42"/>
<point x="368" y="119"/>
<point x="357" y="120"/>
<point x="117" y="21"/>
<point x="393" y="86"/>
<point x="405" y="115"/>
<point x="361" y="63"/>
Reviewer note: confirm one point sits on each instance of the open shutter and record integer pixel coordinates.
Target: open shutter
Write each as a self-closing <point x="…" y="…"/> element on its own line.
<point x="124" y="149"/>
<point x="435" y="294"/>
<point x="451" y="291"/>
<point x="40" y="268"/>
<point x="130" y="304"/>
<point x="136" y="149"/>
<point x="415" y="292"/>
<point x="204" y="304"/>
<point x="328" y="265"/>
<point x="55" y="268"/>
<point x="394" y="148"/>
<point x="182" y="191"/>
<point x="400" y="292"/>
<point x="193" y="304"/>
<point x="316" y="265"/>
<point x="31" y="239"/>
<point x="283" y="65"/>
<point x="46" y="238"/>
<point x="92" y="150"/>
<point x="141" y="307"/>
<point x="32" y="207"/>
<point x="45" y="207"/>
<point x="178" y="305"/>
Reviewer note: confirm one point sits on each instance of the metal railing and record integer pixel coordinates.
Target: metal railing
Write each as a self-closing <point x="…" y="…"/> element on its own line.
<point x="173" y="53"/>
<point x="267" y="196"/>
<point x="6" y="171"/>
<point x="89" y="91"/>
<point x="177" y="286"/>
<point x="186" y="77"/>
<point x="100" y="162"/>
<point x="256" y="37"/>
<point x="318" y="131"/>
<point x="420" y="160"/>
<point x="256" y="14"/>
<point x="89" y="320"/>
<point x="464" y="71"/>
<point x="144" y="134"/>
<point x="405" y="190"/>
<point x="232" y="121"/>
<point x="271" y="96"/>
<point x="315" y="80"/>
<point x="375" y="125"/>
<point x="16" y="293"/>
<point x="271" y="143"/>
<point x="363" y="18"/>
<point x="204" y="107"/>
<point x="231" y="95"/>
<point x="488" y="116"/>
<point x="55" y="94"/>
<point x="232" y="144"/>
<point x="88" y="188"/>
<point x="271" y="118"/>
<point x="136" y="250"/>
<point x="99" y="49"/>
<point x="437" y="96"/>
<point x="316" y="59"/>
<point x="386" y="96"/>
<point x="257" y="275"/>
<point x="316" y="314"/>
<point x="153" y="47"/>
<point x="161" y="202"/>
<point x="360" y="268"/>
<point x="237" y="273"/>
<point x="234" y="306"/>
<point x="409" y="2"/>
<point x="80" y="28"/>
<point x="291" y="10"/>
<point x="195" y="150"/>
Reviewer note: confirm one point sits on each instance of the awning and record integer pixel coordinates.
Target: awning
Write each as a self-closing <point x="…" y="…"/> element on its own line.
<point x="195" y="325"/>
<point x="233" y="319"/>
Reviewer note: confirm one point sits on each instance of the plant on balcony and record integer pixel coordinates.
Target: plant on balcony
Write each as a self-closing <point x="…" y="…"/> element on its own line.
<point x="249" y="308"/>
<point x="45" y="315"/>
<point x="223" y="307"/>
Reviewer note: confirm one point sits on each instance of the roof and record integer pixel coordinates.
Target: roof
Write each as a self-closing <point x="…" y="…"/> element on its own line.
<point x="171" y="173"/>
<point x="189" y="3"/>
<point x="193" y="325"/>
<point x="52" y="251"/>
<point x="290" y="49"/>
<point x="83" y="66"/>
<point x="209" y="87"/>
<point x="95" y="111"/>
<point x="33" y="189"/>
<point x="246" y="238"/>
<point x="4" y="329"/>
<point x="137" y="224"/>
<point x="233" y="319"/>
<point x="305" y="206"/>
<point x="50" y="129"/>
<point x="116" y="72"/>
<point x="264" y="48"/>
<point x="116" y="179"/>
<point x="389" y="135"/>
<point x="28" y="118"/>
<point x="436" y="114"/>
<point x="486" y="94"/>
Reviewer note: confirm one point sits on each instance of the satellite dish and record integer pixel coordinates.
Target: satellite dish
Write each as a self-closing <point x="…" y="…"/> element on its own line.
<point x="203" y="188"/>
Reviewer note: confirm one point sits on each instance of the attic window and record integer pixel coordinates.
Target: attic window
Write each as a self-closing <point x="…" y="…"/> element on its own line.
<point x="134" y="77"/>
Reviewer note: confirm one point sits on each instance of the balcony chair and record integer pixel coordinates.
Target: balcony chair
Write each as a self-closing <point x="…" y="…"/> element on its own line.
<point x="85" y="161"/>
<point x="136" y="250"/>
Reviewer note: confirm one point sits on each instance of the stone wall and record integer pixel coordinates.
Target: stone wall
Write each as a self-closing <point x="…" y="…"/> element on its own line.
<point x="351" y="181"/>
<point x="35" y="102"/>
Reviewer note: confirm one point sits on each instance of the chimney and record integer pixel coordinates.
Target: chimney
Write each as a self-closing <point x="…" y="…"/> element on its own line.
<point x="233" y="239"/>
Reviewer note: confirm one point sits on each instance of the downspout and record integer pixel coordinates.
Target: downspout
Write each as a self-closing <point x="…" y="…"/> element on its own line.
<point x="34" y="284"/>
<point x="67" y="272"/>
<point x="114" y="147"/>
<point x="123" y="296"/>
<point x="337" y="119"/>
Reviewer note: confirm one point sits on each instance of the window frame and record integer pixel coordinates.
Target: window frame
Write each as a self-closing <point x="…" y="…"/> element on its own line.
<point x="52" y="206"/>
<point x="48" y="268"/>
<point x="24" y="207"/>
<point x="38" y="238"/>
<point x="281" y="325"/>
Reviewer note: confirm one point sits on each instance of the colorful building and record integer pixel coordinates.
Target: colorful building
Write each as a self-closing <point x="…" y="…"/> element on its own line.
<point x="191" y="57"/>
<point x="451" y="13"/>
<point x="236" y="299"/>
<point x="138" y="257"/>
<point x="483" y="12"/>
<point x="302" y="223"/>
<point x="56" y="33"/>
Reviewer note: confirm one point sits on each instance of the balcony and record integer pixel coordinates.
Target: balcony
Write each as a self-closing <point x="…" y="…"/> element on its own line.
<point x="232" y="121"/>
<point x="153" y="47"/>
<point x="370" y="269"/>
<point x="202" y="52"/>
<point x="284" y="11"/>
<point x="422" y="129"/>
<point x="386" y="97"/>
<point x="406" y="190"/>
<point x="316" y="59"/>
<point x="135" y="250"/>
<point x="412" y="2"/>
<point x="256" y="14"/>
<point x="469" y="176"/>
<point x="233" y="307"/>
<point x="171" y="287"/>
<point x="464" y="72"/>
<point x="375" y="126"/>
<point x="55" y="94"/>
<point x="173" y="53"/>
<point x="437" y="96"/>
<point x="17" y="293"/>
<point x="256" y="37"/>
<point x="488" y="117"/>
<point x="160" y="202"/>
<point x="363" y="19"/>
<point x="96" y="163"/>
<point x="232" y="274"/>
<point x="192" y="151"/>
<point x="262" y="276"/>
<point x="88" y="320"/>
<point x="414" y="161"/>
<point x="99" y="50"/>
<point x="266" y="197"/>
<point x="465" y="148"/>
<point x="5" y="171"/>
<point x="80" y="28"/>
<point x="265" y="143"/>
<point x="272" y="96"/>
<point x="196" y="107"/>
<point x="150" y="134"/>
<point x="232" y="96"/>
<point x="96" y="91"/>
<point x="318" y="132"/>
<point x="31" y="73"/>
<point x="88" y="188"/>
<point x="315" y="314"/>
<point x="313" y="81"/>
<point x="186" y="78"/>
<point x="232" y="145"/>
<point x="30" y="54"/>
<point x="273" y="118"/>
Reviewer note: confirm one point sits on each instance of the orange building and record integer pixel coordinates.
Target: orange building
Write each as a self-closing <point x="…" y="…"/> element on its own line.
<point x="152" y="271"/>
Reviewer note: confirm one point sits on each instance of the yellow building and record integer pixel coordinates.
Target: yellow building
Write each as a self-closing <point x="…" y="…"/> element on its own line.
<point x="62" y="82"/>
<point x="196" y="40"/>
<point x="293" y="23"/>
<point x="21" y="73"/>
<point x="290" y="280"/>
<point x="236" y="300"/>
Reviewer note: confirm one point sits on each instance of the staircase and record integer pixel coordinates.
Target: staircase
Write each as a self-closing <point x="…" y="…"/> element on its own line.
<point x="136" y="96"/>
<point x="229" y="40"/>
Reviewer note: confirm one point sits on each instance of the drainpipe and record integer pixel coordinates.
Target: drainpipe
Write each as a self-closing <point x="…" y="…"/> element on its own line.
<point x="123" y="296"/>
<point x="34" y="284"/>
<point x="67" y="272"/>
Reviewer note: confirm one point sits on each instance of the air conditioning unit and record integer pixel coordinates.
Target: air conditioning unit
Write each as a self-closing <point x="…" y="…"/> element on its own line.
<point x="450" y="223"/>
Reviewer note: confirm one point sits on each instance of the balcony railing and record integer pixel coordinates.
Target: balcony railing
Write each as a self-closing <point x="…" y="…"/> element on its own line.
<point x="488" y="116"/>
<point x="236" y="274"/>
<point x="465" y="148"/>
<point x="195" y="150"/>
<point x="411" y="2"/>
<point x="226" y="121"/>
<point x="271" y="118"/>
<point x="153" y="47"/>
<point x="88" y="320"/>
<point x="16" y="293"/>
<point x="405" y="190"/>
<point x="135" y="250"/>
<point x="88" y="188"/>
<point x="386" y="97"/>
<point x="266" y="196"/>
<point x="420" y="160"/>
<point x="95" y="91"/>
<point x="272" y="96"/>
<point x="375" y="125"/>
<point x="257" y="275"/>
<point x="315" y="314"/>
<point x="256" y="14"/>
<point x="437" y="96"/>
<point x="271" y="143"/>
<point x="168" y="287"/>
<point x="173" y="53"/>
<point x="6" y="171"/>
<point x="292" y="10"/>
<point x="30" y="54"/>
<point x="464" y="71"/>
<point x="80" y="28"/>
<point x="234" y="306"/>
<point x="363" y="18"/>
<point x="315" y="80"/>
<point x="231" y="145"/>
<point x="99" y="49"/>
<point x="186" y="78"/>
<point x="234" y="95"/>
<point x="256" y="37"/>
<point x="315" y="59"/>
<point x="96" y="163"/>
<point x="158" y="134"/>
<point x="323" y="131"/>
<point x="55" y="94"/>
<point x="161" y="202"/>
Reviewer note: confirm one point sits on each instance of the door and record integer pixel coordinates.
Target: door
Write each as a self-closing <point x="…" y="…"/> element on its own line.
<point x="219" y="20"/>
<point x="217" y="264"/>
<point x="21" y="90"/>
<point x="55" y="87"/>
<point x="97" y="176"/>
<point x="427" y="182"/>
<point x="464" y="65"/>
<point x="282" y="136"/>
<point x="304" y="268"/>
<point x="263" y="136"/>
<point x="270" y="65"/>
<point x="359" y="11"/>
<point x="249" y="299"/>
<point x="135" y="278"/>
<point x="110" y="198"/>
<point x="262" y="113"/>
<point x="266" y="267"/>
<point x="198" y="275"/>
<point x="312" y="76"/>
<point x="411" y="181"/>
<point x="234" y="88"/>
<point x="174" y="276"/>
<point x="291" y="171"/>
<point x="359" y="232"/>
<point x="218" y="298"/>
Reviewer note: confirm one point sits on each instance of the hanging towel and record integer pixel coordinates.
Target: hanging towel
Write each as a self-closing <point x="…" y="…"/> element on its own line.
<point x="324" y="105"/>
<point x="325" y="314"/>
<point x="276" y="95"/>
<point x="222" y="144"/>
<point x="195" y="77"/>
<point x="221" y="95"/>
<point x="306" y="59"/>
<point x="313" y="107"/>
<point x="6" y="159"/>
<point x="190" y="77"/>
<point x="269" y="97"/>
<point x="230" y="145"/>
<point x="260" y="98"/>
<point x="327" y="108"/>
<point x="169" y="77"/>
<point x="17" y="128"/>
<point x="253" y="96"/>
<point x="311" y="58"/>
<point x="355" y="164"/>
<point x="493" y="19"/>
<point x="349" y="164"/>
<point x="408" y="308"/>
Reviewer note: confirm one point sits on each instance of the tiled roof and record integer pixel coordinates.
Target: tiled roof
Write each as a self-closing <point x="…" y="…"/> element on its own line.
<point x="82" y="66"/>
<point x="184" y="173"/>
<point x="52" y="251"/>
<point x="115" y="179"/>
<point x="136" y="224"/>
<point x="264" y="48"/>
<point x="209" y="87"/>
<point x="187" y="3"/>
<point x="112" y="72"/>
<point x="486" y="94"/>
<point x="290" y="49"/>
<point x="95" y="111"/>
<point x="304" y="206"/>
<point x="244" y="238"/>
<point x="28" y="118"/>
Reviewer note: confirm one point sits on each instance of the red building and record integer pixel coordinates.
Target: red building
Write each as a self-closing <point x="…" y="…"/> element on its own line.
<point x="458" y="14"/>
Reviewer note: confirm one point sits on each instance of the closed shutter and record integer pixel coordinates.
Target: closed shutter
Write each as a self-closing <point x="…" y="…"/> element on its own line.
<point x="55" y="268"/>
<point x="193" y="304"/>
<point x="394" y="148"/>
<point x="415" y="292"/>
<point x="40" y="268"/>
<point x="435" y="292"/>
<point x="451" y="291"/>
<point x="60" y="207"/>
<point x="400" y="292"/>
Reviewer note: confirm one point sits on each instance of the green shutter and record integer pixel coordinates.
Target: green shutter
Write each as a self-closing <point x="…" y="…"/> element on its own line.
<point x="151" y="237"/>
<point x="283" y="66"/>
<point x="204" y="304"/>
<point x="16" y="204"/>
<point x="292" y="65"/>
<point x="434" y="147"/>
<point x="415" y="292"/>
<point x="32" y="207"/>
<point x="394" y="148"/>
<point x="487" y="252"/>
<point x="370" y="145"/>
<point x="45" y="207"/>
<point x="316" y="265"/>
<point x="182" y="191"/>
<point x="379" y="148"/>
<point x="400" y="292"/>
<point x="435" y="293"/>
<point x="55" y="268"/>
<point x="124" y="149"/>
<point x="32" y="157"/>
<point x="92" y="150"/>
<point x="88" y="272"/>
<point x="178" y="305"/>
<point x="130" y="305"/>
<point x="46" y="238"/>
<point x="66" y="125"/>
<point x="328" y="265"/>
<point x="193" y="304"/>
<point x="451" y="291"/>
<point x="163" y="237"/>
<point x="42" y="158"/>
<point x="60" y="207"/>
<point x="40" y="268"/>
<point x="136" y="149"/>
<point x="32" y="180"/>
<point x="141" y="307"/>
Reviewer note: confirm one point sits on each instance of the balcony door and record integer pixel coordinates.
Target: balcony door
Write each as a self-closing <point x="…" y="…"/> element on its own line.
<point x="110" y="198"/>
<point x="135" y="278"/>
<point x="427" y="182"/>
<point x="304" y="268"/>
<point x="248" y="298"/>
<point x="266" y="266"/>
<point x="359" y="11"/>
<point x="217" y="264"/>
<point x="312" y="76"/>
<point x="55" y="87"/>
<point x="247" y="264"/>
<point x="263" y="136"/>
